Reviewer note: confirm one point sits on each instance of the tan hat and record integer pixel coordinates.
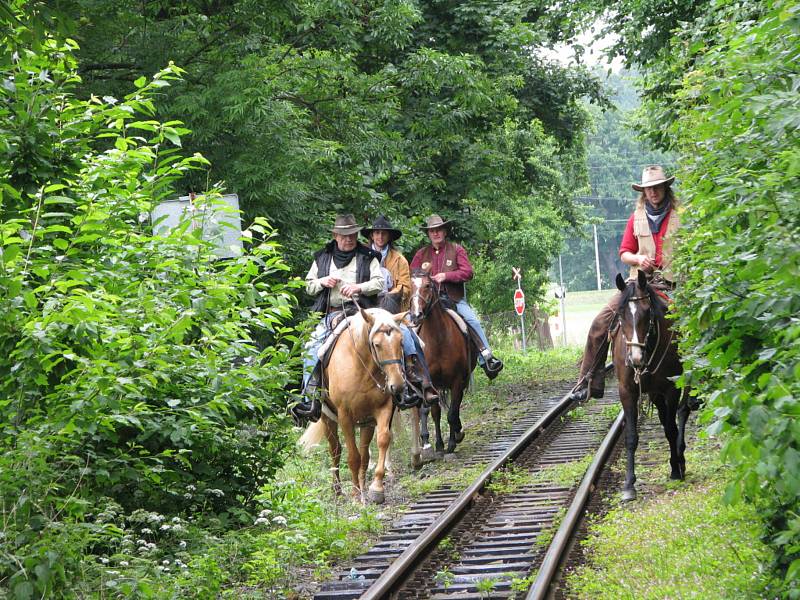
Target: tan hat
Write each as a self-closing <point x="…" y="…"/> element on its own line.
<point x="651" y="177"/>
<point x="434" y="222"/>
<point x="346" y="225"/>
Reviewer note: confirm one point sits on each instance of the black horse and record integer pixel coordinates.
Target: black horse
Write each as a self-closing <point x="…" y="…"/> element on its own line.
<point x="646" y="360"/>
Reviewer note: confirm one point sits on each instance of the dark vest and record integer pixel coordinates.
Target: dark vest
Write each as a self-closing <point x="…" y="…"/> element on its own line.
<point x="455" y="289"/>
<point x="324" y="258"/>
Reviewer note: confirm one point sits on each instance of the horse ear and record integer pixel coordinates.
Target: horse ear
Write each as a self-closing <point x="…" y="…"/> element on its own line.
<point x="620" y="282"/>
<point x="642" y="280"/>
<point x="368" y="318"/>
<point x="398" y="318"/>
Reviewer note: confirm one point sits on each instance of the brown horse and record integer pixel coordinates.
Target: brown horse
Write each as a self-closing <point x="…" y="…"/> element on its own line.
<point x="450" y="357"/>
<point x="364" y="373"/>
<point x="645" y="354"/>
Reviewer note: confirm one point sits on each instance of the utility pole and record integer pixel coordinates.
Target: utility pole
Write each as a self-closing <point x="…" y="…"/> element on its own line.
<point x="597" y="259"/>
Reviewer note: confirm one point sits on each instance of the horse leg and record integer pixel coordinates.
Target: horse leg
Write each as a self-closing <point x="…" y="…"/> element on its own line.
<point x="367" y="433"/>
<point x="416" y="450"/>
<point x="454" y="416"/>
<point x="424" y="435"/>
<point x="336" y="454"/>
<point x="376" y="490"/>
<point x="436" y="413"/>
<point x="667" y="406"/>
<point x="630" y="407"/>
<point x="353" y="455"/>
<point x="683" y="415"/>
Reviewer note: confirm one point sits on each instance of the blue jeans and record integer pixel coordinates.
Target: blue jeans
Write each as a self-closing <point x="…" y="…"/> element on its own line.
<point x="466" y="312"/>
<point x="318" y="337"/>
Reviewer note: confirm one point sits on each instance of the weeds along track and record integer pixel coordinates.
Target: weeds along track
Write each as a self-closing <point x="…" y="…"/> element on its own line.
<point x="489" y="538"/>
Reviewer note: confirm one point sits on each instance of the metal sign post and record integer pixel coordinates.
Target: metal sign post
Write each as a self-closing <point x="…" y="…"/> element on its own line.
<point x="519" y="303"/>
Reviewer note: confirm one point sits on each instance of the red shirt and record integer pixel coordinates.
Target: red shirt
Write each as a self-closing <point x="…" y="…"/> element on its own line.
<point x="462" y="272"/>
<point x="631" y="244"/>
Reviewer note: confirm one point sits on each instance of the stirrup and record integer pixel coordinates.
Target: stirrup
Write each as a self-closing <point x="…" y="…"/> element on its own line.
<point x="309" y="411"/>
<point x="492" y="367"/>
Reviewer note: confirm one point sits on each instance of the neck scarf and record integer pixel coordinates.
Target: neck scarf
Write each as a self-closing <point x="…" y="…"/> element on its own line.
<point x="655" y="216"/>
<point x="342" y="258"/>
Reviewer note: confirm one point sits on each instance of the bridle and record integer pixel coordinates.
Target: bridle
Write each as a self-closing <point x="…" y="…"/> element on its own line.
<point x="434" y="300"/>
<point x="380" y="363"/>
<point x="652" y="325"/>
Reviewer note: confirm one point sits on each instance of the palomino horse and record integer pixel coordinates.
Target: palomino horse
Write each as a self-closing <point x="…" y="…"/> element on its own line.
<point x="449" y="354"/>
<point x="646" y="358"/>
<point x="364" y="373"/>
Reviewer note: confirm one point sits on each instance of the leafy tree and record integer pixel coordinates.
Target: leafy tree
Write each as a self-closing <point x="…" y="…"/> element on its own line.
<point x="310" y="108"/>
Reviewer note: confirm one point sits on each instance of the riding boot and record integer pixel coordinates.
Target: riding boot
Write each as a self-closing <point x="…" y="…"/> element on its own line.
<point x="419" y="378"/>
<point x="491" y="365"/>
<point x="311" y="408"/>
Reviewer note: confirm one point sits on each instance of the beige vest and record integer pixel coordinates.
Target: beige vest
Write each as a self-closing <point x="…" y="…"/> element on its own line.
<point x="641" y="229"/>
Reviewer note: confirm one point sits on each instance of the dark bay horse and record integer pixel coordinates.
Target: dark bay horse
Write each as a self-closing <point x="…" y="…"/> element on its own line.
<point x="645" y="353"/>
<point x="364" y="373"/>
<point x="450" y="356"/>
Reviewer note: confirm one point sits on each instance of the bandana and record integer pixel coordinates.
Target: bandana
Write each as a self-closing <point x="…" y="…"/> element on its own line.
<point x="342" y="258"/>
<point x="655" y="216"/>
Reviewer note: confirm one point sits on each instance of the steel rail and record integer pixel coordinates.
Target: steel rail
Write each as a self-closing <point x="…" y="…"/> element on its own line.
<point x="384" y="585"/>
<point x="540" y="588"/>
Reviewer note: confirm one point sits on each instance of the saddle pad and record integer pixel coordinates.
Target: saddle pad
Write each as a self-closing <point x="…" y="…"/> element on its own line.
<point x="462" y="324"/>
<point x="324" y="353"/>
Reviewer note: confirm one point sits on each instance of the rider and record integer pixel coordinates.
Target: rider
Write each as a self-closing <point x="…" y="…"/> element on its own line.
<point x="343" y="268"/>
<point x="449" y="267"/>
<point x="647" y="246"/>
<point x="398" y="281"/>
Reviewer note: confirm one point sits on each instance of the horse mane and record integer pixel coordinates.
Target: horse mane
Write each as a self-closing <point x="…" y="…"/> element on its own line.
<point x="657" y="304"/>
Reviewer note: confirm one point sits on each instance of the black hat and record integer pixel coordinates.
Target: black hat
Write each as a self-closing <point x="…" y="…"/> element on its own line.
<point x="382" y="224"/>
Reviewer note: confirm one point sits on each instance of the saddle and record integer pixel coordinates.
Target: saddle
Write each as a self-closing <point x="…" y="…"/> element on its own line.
<point x="462" y="324"/>
<point x="338" y="325"/>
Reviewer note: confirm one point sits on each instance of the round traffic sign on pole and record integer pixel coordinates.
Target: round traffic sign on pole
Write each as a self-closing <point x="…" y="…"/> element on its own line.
<point x="519" y="302"/>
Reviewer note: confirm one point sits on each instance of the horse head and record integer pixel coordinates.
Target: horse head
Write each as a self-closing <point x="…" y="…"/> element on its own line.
<point x="424" y="295"/>
<point x="638" y="312"/>
<point x="386" y="346"/>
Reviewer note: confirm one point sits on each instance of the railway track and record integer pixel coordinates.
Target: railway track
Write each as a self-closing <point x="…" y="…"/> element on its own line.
<point x="490" y="537"/>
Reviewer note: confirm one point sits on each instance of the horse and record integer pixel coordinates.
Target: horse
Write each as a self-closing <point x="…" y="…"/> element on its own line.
<point x="364" y="373"/>
<point x="450" y="358"/>
<point x="645" y="356"/>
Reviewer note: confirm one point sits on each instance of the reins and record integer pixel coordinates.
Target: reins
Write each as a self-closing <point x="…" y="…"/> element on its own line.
<point x="380" y="363"/>
<point x="637" y="372"/>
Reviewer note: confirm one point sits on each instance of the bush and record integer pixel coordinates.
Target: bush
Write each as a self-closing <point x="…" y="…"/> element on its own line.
<point x="129" y="370"/>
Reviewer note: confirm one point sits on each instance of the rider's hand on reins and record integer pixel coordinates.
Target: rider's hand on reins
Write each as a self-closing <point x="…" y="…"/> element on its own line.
<point x="350" y="289"/>
<point x="329" y="281"/>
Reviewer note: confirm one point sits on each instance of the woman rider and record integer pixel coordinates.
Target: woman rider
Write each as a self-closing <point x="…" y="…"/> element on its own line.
<point x="647" y="246"/>
<point x="398" y="285"/>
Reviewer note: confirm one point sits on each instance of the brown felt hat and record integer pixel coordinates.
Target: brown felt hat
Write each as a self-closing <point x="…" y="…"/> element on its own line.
<point x="346" y="225"/>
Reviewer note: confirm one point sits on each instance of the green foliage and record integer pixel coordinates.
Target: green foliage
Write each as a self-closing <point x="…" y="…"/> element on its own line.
<point x="129" y="369"/>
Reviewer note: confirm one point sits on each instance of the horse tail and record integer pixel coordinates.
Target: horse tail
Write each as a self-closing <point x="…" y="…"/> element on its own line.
<point x="313" y="435"/>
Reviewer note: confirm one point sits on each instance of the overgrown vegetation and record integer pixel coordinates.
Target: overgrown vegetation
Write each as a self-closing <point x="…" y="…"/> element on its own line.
<point x="686" y="542"/>
<point x="721" y="90"/>
<point x="134" y="396"/>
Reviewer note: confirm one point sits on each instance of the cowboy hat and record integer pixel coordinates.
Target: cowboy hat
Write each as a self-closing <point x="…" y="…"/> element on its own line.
<point x="345" y="225"/>
<point x="653" y="176"/>
<point x="382" y="224"/>
<point x="434" y="222"/>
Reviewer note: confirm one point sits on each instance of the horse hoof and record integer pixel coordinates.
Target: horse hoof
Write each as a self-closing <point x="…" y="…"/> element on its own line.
<point x="628" y="495"/>
<point x="428" y="454"/>
<point x="459" y="437"/>
<point x="450" y="457"/>
<point x="377" y="497"/>
<point x="416" y="462"/>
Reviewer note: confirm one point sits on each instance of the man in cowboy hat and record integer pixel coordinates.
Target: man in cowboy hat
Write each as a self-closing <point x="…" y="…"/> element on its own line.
<point x="342" y="269"/>
<point x="397" y="277"/>
<point x="450" y="268"/>
<point x="647" y="246"/>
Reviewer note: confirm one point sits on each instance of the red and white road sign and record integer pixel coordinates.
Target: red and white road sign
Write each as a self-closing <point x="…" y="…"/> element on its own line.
<point x="519" y="302"/>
